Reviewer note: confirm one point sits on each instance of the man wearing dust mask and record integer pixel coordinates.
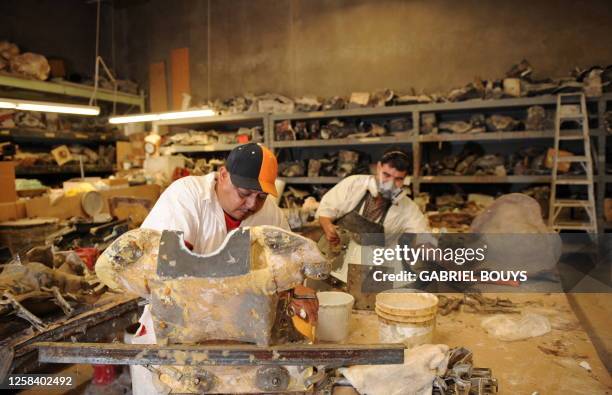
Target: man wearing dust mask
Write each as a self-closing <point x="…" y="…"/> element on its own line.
<point x="373" y="203"/>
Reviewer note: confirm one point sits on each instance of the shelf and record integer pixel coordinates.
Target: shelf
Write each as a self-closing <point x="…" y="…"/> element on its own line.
<point x="177" y="148"/>
<point x="70" y="89"/>
<point x="351" y="112"/>
<point x="242" y="118"/>
<point x="311" y="180"/>
<point x="341" y="142"/>
<point x="474" y="104"/>
<point x="484" y="179"/>
<point x="486" y="136"/>
<point x="66" y="169"/>
<point x="57" y="137"/>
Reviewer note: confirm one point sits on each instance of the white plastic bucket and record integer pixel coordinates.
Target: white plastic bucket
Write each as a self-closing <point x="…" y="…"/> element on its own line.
<point x="334" y="316"/>
<point x="406" y="317"/>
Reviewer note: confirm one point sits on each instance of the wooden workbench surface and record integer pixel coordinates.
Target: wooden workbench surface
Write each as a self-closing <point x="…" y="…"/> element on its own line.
<point x="521" y="367"/>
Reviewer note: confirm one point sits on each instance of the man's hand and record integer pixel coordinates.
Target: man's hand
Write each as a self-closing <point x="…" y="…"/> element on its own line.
<point x="331" y="234"/>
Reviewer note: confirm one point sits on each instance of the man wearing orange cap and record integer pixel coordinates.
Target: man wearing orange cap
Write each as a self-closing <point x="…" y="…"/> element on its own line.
<point x="206" y="208"/>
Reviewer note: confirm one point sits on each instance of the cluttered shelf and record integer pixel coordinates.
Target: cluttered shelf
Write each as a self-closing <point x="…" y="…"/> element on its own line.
<point x="180" y="148"/>
<point x="311" y="180"/>
<point x="244" y="118"/>
<point x="484" y="179"/>
<point x="473" y="104"/>
<point x="487" y="136"/>
<point x="69" y="89"/>
<point x="38" y="135"/>
<point x="398" y="139"/>
<point x="65" y="169"/>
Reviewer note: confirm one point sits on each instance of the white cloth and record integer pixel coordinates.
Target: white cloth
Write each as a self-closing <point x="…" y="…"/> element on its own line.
<point x="414" y="377"/>
<point x="190" y="205"/>
<point x="404" y="215"/>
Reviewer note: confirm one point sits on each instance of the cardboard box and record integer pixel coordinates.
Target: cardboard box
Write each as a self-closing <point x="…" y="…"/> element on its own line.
<point x="66" y="207"/>
<point x="8" y="193"/>
<point x="130" y="151"/>
<point x="12" y="211"/>
<point x="116" y="182"/>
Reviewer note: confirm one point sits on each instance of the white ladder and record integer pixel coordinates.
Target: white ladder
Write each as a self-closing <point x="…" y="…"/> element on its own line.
<point x="572" y="107"/>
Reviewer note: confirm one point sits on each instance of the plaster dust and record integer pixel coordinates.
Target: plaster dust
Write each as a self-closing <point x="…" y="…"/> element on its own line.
<point x="525" y="366"/>
<point x="130" y="261"/>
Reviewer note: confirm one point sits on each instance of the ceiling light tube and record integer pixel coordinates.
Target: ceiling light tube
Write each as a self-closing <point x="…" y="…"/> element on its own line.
<point x="134" y="118"/>
<point x="187" y="114"/>
<point x="6" y="104"/>
<point x="63" y="108"/>
<point x="204" y="112"/>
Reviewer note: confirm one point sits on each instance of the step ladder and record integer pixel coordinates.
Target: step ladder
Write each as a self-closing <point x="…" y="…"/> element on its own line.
<point x="572" y="107"/>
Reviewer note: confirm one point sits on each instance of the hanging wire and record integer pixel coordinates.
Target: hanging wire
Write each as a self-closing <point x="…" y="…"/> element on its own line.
<point x="97" y="65"/>
<point x="100" y="61"/>
<point x="208" y="51"/>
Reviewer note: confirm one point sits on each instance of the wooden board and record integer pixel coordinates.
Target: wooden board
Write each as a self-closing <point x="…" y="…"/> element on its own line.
<point x="179" y="62"/>
<point x="7" y="182"/>
<point x="158" y="90"/>
<point x="522" y="367"/>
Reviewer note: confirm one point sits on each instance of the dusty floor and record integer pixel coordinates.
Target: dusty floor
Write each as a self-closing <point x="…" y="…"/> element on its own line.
<point x="522" y="367"/>
<point x="548" y="364"/>
<point x="595" y="312"/>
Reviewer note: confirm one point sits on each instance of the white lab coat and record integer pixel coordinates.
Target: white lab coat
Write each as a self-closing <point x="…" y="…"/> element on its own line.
<point x="404" y="215"/>
<point x="190" y="205"/>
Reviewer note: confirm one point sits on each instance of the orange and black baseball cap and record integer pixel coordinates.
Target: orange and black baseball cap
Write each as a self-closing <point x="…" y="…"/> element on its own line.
<point x="253" y="166"/>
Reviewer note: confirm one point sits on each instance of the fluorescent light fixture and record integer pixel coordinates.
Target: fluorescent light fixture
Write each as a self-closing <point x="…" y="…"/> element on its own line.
<point x="205" y="112"/>
<point x="64" y="108"/>
<point x="187" y="114"/>
<point x="6" y="104"/>
<point x="134" y="118"/>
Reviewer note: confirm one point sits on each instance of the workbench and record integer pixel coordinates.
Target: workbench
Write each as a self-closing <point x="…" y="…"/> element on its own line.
<point x="521" y="367"/>
<point x="100" y="322"/>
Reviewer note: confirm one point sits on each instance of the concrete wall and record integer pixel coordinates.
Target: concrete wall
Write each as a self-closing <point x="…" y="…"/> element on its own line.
<point x="63" y="29"/>
<point x="328" y="47"/>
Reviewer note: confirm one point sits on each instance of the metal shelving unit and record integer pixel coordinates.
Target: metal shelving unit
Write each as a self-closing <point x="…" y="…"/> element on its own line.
<point x="233" y="121"/>
<point x="484" y="179"/>
<point x="35" y="135"/>
<point x="342" y="142"/>
<point x="179" y="149"/>
<point x="69" y="89"/>
<point x="311" y="180"/>
<point x="416" y="140"/>
<point x="410" y="138"/>
<point x="19" y="87"/>
<point x="66" y="169"/>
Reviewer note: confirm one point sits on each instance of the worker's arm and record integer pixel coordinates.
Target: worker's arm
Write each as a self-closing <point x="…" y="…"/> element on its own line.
<point x="329" y="229"/>
<point x="336" y="203"/>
